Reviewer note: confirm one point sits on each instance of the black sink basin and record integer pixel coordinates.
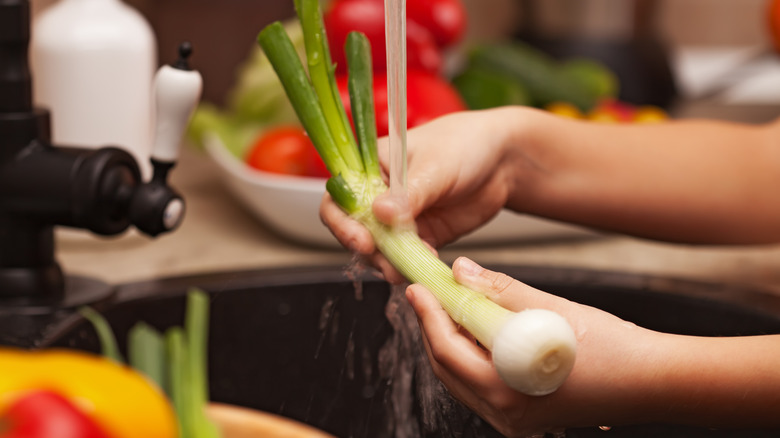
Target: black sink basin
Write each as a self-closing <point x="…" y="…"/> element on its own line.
<point x="305" y="344"/>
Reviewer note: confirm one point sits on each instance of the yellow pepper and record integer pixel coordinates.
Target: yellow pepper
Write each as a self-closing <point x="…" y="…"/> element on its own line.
<point x="121" y="400"/>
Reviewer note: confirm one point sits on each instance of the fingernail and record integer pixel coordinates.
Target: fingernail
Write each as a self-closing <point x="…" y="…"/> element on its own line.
<point x="467" y="267"/>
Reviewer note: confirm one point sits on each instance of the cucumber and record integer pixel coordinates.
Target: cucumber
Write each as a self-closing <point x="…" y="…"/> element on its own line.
<point x="482" y="89"/>
<point x="593" y="75"/>
<point x="544" y="78"/>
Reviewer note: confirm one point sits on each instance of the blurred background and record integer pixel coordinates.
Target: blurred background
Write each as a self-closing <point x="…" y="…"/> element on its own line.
<point x="223" y="32"/>
<point x="697" y="58"/>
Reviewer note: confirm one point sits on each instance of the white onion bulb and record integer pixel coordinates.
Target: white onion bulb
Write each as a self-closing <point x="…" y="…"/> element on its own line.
<point x="534" y="351"/>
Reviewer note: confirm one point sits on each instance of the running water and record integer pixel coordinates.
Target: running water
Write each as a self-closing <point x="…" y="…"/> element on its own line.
<point x="415" y="396"/>
<point x="395" y="36"/>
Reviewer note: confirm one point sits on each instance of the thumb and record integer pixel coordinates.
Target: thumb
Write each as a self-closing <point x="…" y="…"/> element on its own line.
<point x="393" y="209"/>
<point x="500" y="288"/>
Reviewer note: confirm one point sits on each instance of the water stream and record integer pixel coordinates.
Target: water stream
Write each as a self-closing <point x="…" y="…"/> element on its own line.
<point x="415" y="396"/>
<point x="395" y="35"/>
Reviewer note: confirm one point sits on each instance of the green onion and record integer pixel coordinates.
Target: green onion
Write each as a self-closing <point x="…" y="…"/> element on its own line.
<point x="179" y="378"/>
<point x="108" y="344"/>
<point x="533" y="350"/>
<point x="196" y="326"/>
<point x="176" y="361"/>
<point x="146" y="353"/>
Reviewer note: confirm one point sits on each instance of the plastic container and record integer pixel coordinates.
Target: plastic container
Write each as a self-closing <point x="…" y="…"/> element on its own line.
<point x="93" y="63"/>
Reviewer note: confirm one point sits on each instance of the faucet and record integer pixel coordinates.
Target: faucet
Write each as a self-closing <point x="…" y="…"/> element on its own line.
<point x="43" y="185"/>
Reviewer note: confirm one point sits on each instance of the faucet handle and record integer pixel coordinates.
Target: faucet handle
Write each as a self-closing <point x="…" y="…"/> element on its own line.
<point x="177" y="90"/>
<point x="155" y="206"/>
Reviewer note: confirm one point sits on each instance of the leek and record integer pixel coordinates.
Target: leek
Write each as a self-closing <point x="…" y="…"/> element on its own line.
<point x="533" y="350"/>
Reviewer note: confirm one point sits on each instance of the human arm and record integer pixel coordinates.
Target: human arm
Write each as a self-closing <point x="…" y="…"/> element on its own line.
<point x="624" y="374"/>
<point x="692" y="181"/>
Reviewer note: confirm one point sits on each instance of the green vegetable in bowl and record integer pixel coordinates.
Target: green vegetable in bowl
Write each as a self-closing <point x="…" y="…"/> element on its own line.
<point x="533" y="350"/>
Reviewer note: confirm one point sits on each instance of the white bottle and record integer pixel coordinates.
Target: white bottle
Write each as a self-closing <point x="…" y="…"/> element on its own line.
<point x="93" y="63"/>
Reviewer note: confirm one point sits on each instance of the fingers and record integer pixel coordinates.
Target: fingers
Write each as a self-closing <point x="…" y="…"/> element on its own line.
<point x="501" y="288"/>
<point x="393" y="210"/>
<point x="456" y="358"/>
<point x="355" y="237"/>
<point x="351" y="234"/>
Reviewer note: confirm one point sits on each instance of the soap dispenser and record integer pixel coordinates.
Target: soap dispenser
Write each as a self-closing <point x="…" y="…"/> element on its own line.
<point x="93" y="64"/>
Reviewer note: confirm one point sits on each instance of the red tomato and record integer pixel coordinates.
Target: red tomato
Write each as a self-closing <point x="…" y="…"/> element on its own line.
<point x="446" y="19"/>
<point x="45" y="414"/>
<point x="613" y="110"/>
<point x="427" y="97"/>
<point x="287" y="150"/>
<point x="773" y="21"/>
<point x="368" y="16"/>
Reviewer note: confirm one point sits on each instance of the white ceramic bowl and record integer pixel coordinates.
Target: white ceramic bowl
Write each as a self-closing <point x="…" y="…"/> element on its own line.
<point x="289" y="205"/>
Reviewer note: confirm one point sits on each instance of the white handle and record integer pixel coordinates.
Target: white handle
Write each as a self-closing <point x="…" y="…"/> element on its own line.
<point x="177" y="92"/>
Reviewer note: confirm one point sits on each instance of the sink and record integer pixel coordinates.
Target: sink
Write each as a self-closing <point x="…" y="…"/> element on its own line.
<point x="306" y="344"/>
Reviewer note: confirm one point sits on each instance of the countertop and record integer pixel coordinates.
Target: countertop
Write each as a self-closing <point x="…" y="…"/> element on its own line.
<point x="218" y="234"/>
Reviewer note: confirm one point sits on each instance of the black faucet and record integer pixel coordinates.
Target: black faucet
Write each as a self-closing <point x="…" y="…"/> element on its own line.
<point x="101" y="190"/>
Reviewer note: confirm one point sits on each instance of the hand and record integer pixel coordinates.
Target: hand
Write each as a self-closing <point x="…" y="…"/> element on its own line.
<point x="459" y="176"/>
<point x="612" y="357"/>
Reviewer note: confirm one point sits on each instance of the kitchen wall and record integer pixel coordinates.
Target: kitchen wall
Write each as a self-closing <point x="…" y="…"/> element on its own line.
<point x="223" y="32"/>
<point x="681" y="22"/>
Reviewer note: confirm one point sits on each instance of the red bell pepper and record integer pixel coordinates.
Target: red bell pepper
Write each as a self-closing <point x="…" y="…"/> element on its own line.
<point x="368" y="16"/>
<point x="46" y="414"/>
<point x="427" y="97"/>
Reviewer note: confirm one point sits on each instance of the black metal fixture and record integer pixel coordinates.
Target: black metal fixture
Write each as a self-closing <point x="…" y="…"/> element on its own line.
<point x="101" y="190"/>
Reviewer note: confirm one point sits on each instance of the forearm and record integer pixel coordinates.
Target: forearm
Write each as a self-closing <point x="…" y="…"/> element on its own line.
<point x="673" y="379"/>
<point x="686" y="181"/>
<point x="725" y="381"/>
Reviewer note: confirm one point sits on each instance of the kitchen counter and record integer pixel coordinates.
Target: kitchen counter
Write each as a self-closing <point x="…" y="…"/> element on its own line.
<point x="218" y="234"/>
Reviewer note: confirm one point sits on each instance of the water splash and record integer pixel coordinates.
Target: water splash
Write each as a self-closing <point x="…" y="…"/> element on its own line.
<point x="415" y="396"/>
<point x="349" y="354"/>
<point x="327" y="316"/>
<point x="354" y="271"/>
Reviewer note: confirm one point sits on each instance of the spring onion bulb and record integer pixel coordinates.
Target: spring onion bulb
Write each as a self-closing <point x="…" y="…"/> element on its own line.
<point x="533" y="350"/>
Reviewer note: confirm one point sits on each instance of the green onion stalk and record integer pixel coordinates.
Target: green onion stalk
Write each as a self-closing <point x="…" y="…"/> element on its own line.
<point x="533" y="350"/>
<point x="176" y="360"/>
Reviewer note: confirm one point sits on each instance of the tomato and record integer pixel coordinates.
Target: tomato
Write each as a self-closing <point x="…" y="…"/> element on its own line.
<point x="612" y="110"/>
<point x="773" y="22"/>
<point x="368" y="17"/>
<point x="446" y="19"/>
<point x="46" y="414"/>
<point x="286" y="150"/>
<point x="427" y="97"/>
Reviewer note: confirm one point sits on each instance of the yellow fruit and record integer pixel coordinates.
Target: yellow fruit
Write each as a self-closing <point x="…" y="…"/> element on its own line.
<point x="564" y="109"/>
<point x="650" y="114"/>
